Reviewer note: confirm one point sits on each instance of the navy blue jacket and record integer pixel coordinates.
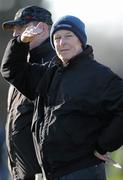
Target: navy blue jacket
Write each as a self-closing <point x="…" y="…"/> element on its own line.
<point x="83" y="106"/>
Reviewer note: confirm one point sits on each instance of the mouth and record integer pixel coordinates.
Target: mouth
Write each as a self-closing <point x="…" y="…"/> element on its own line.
<point x="64" y="50"/>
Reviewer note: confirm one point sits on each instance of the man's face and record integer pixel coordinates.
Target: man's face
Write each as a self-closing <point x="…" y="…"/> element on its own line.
<point x="67" y="44"/>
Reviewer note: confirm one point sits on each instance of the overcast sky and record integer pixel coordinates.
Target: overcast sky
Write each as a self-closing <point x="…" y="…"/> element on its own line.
<point x="92" y="12"/>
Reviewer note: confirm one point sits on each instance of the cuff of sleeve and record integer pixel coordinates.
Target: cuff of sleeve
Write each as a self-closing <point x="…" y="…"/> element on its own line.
<point x="100" y="150"/>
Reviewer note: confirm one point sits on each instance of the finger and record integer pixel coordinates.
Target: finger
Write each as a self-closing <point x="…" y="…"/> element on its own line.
<point x="39" y="25"/>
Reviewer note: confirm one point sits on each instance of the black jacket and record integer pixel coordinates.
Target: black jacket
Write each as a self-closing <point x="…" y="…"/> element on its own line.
<point x="20" y="109"/>
<point x="83" y="106"/>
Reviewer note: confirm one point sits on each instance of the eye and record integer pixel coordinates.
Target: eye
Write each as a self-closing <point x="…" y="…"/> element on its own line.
<point x="68" y="35"/>
<point x="57" y="38"/>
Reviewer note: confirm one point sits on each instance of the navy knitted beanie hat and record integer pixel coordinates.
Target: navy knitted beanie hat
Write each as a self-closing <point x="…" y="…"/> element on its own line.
<point x="71" y="23"/>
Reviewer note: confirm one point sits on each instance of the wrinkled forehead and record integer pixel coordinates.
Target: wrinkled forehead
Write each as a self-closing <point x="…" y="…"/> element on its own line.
<point x="18" y="27"/>
<point x="63" y="32"/>
<point x="21" y="26"/>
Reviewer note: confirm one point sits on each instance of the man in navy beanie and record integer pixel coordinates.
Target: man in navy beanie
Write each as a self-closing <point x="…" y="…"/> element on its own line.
<point x="82" y="102"/>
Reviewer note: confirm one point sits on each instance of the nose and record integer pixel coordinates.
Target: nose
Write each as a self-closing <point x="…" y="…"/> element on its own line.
<point x="62" y="41"/>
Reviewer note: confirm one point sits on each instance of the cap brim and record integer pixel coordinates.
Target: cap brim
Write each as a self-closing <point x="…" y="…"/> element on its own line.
<point x="10" y="24"/>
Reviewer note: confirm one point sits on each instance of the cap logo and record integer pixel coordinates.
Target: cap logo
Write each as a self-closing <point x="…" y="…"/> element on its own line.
<point x="63" y="25"/>
<point x="29" y="17"/>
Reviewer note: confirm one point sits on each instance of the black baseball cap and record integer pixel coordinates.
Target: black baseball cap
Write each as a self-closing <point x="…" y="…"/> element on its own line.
<point x="29" y="14"/>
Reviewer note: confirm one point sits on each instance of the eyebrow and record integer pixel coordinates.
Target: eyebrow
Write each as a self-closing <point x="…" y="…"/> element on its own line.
<point x="69" y="32"/>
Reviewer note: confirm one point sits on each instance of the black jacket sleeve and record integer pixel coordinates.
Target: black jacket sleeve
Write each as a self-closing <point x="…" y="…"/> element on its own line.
<point x="112" y="103"/>
<point x="17" y="71"/>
